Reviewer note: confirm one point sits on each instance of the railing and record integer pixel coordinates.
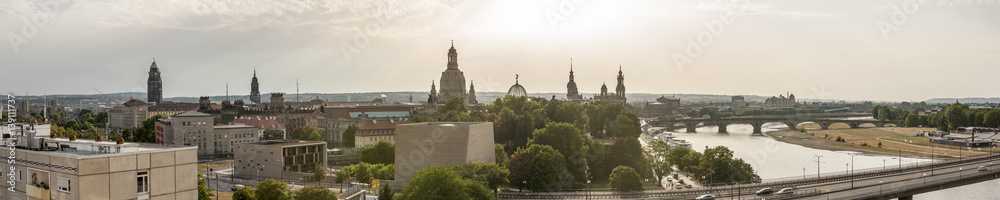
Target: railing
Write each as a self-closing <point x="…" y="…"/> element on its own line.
<point x="748" y="188"/>
<point x="36" y="192"/>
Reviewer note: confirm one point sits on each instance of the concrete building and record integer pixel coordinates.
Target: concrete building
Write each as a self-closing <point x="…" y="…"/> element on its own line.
<point x="193" y="128"/>
<point x="374" y="131"/>
<point x="58" y="168"/>
<point x="278" y="158"/>
<point x="134" y="112"/>
<point x="420" y="145"/>
<point x="228" y="136"/>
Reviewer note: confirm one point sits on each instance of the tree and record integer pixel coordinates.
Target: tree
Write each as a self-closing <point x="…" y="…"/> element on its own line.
<point x="348" y="135"/>
<point x="363" y="173"/>
<point x="307" y="132"/>
<point x="342" y="176"/>
<point x="912" y="120"/>
<point x="439" y="182"/>
<point x="624" y="126"/>
<point x="883" y="114"/>
<point x="456" y="104"/>
<point x="955" y="114"/>
<point x="243" y="194"/>
<point x="565" y="138"/>
<point x="624" y="178"/>
<point x="493" y="175"/>
<point x="273" y="189"/>
<point x="204" y="193"/>
<point x="383" y="152"/>
<point x="317" y="192"/>
<point x="319" y="173"/>
<point x="627" y="152"/>
<point x="385" y="192"/>
<point x="273" y="134"/>
<point x="595" y="160"/>
<point x="541" y="166"/>
<point x="657" y="153"/>
<point x="500" y="154"/>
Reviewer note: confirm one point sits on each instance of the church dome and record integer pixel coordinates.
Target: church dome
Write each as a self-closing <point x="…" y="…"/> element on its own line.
<point x="517" y="90"/>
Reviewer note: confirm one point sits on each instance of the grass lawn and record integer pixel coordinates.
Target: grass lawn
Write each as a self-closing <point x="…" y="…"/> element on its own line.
<point x="893" y="139"/>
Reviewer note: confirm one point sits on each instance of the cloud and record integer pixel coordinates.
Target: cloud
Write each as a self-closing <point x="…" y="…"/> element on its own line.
<point x="242" y="15"/>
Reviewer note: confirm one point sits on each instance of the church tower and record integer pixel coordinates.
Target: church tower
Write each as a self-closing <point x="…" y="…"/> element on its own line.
<point x="432" y="98"/>
<point x="452" y="79"/>
<point x="471" y="99"/>
<point x="620" y="90"/>
<point x="572" y="93"/>
<point x="254" y="88"/>
<point x="154" y="86"/>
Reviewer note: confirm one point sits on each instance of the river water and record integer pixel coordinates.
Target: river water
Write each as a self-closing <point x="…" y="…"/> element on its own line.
<point x="778" y="160"/>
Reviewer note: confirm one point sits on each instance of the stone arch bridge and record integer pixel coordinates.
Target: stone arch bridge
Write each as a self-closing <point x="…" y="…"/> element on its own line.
<point x="692" y="123"/>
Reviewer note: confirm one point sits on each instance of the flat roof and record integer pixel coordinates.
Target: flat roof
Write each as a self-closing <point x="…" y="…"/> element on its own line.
<point x="445" y="124"/>
<point x="285" y="142"/>
<point x="233" y="126"/>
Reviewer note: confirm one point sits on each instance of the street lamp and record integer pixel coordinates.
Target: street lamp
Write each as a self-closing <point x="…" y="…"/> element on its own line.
<point x="925" y="178"/>
<point x="879" y="187"/>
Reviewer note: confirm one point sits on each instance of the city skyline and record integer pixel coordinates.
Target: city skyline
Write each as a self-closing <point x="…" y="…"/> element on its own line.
<point x="841" y="53"/>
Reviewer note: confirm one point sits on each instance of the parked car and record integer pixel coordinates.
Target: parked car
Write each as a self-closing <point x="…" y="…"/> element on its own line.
<point x="681" y="181"/>
<point x="688" y="186"/>
<point x="765" y="191"/>
<point x="984" y="168"/>
<point x="679" y="186"/>
<point x="237" y="187"/>
<point x="786" y="191"/>
<point x="706" y="197"/>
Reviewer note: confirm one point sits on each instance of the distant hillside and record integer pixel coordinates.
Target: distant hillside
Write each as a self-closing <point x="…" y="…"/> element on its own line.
<point x="965" y="100"/>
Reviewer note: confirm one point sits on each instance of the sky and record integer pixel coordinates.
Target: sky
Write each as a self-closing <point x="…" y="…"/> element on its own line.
<point x="895" y="50"/>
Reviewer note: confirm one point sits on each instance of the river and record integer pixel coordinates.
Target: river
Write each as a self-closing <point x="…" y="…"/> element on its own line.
<point x="778" y="160"/>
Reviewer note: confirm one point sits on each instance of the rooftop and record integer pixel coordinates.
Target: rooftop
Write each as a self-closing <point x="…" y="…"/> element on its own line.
<point x="233" y="126"/>
<point x="286" y="142"/>
<point x="192" y="114"/>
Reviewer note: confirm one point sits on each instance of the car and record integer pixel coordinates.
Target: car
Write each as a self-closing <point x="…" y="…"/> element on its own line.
<point x="688" y="186"/>
<point x="765" y="191"/>
<point x="670" y="179"/>
<point x="237" y="187"/>
<point x="679" y="186"/>
<point x="706" y="197"/>
<point x="984" y="168"/>
<point x="681" y="181"/>
<point x="786" y="191"/>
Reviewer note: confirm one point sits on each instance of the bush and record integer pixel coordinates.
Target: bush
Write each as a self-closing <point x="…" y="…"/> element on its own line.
<point x="624" y="178"/>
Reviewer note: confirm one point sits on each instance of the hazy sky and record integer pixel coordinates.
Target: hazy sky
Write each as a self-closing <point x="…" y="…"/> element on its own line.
<point x="842" y="49"/>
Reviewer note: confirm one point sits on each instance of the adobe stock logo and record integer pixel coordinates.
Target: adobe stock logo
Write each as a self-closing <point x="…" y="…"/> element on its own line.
<point x="32" y="21"/>
<point x="713" y="28"/>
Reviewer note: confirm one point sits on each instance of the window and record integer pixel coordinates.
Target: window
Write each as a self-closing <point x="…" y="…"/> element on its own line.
<point x="142" y="178"/>
<point x="64" y="185"/>
<point x="18" y="175"/>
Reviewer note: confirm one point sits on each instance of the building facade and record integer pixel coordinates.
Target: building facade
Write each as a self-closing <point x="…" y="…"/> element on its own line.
<point x="274" y="158"/>
<point x="454" y="143"/>
<point x="374" y="131"/>
<point x="262" y="124"/>
<point x="334" y="120"/>
<point x="89" y="170"/>
<point x="227" y="137"/>
<point x="134" y="112"/>
<point x="780" y="102"/>
<point x="618" y="96"/>
<point x="154" y="86"/>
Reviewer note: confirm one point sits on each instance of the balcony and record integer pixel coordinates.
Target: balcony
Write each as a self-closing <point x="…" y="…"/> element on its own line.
<point x="36" y="192"/>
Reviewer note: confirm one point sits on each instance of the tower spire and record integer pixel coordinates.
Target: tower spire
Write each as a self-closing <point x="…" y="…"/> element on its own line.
<point x="452" y="43"/>
<point x="516" y="76"/>
<point x="570" y="65"/>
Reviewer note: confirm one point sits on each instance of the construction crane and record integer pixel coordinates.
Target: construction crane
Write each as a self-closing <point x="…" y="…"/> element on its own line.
<point x="102" y="94"/>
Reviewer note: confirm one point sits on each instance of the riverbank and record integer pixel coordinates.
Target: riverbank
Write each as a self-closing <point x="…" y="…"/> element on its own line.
<point x="894" y="141"/>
